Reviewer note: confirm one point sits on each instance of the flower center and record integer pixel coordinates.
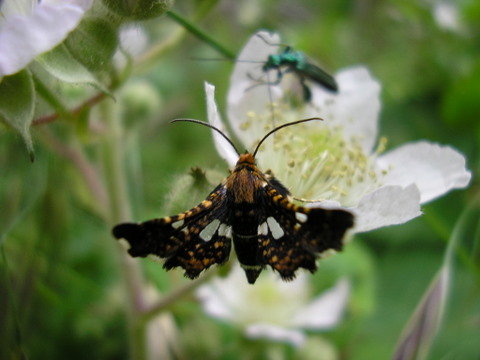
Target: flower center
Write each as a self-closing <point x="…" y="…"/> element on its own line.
<point x="314" y="160"/>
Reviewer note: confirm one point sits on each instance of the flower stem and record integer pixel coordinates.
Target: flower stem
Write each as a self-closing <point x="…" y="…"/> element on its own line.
<point x="202" y="35"/>
<point x="173" y="296"/>
<point x="119" y="210"/>
<point x="50" y="97"/>
<point x="151" y="57"/>
<point x="88" y="104"/>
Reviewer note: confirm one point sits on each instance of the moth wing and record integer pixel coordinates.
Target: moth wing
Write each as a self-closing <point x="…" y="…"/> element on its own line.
<point x="292" y="236"/>
<point x="193" y="240"/>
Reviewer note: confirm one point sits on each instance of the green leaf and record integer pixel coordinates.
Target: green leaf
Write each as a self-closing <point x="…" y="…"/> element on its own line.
<point x="417" y="337"/>
<point x="61" y="64"/>
<point x="420" y="331"/>
<point x="17" y="103"/>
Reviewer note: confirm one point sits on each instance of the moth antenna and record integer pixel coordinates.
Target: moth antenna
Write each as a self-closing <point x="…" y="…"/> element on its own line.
<point x="281" y="127"/>
<point x="207" y="125"/>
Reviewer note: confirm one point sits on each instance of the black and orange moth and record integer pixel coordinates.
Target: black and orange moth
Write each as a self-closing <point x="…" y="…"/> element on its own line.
<point x="250" y="209"/>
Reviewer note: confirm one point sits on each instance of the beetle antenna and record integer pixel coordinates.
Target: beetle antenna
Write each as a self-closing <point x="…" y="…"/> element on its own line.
<point x="230" y="60"/>
<point x="207" y="125"/>
<point x="272" y="44"/>
<point x="281" y="127"/>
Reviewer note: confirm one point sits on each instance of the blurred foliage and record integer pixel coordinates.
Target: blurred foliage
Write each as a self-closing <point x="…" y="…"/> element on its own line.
<point x="61" y="293"/>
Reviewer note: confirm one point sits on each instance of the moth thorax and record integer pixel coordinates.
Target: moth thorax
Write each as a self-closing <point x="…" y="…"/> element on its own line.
<point x="245" y="180"/>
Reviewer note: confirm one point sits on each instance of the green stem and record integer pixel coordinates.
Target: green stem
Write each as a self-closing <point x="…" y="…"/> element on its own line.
<point x="88" y="104"/>
<point x="202" y="35"/>
<point x="151" y="57"/>
<point x="174" y="296"/>
<point x="50" y="97"/>
<point x="119" y="206"/>
<point x="203" y="8"/>
<point x="114" y="164"/>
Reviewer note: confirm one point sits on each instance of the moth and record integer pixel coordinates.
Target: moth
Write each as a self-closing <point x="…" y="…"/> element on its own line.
<point x="250" y="209"/>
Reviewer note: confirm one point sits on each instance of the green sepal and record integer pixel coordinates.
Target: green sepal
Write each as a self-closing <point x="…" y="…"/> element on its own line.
<point x="17" y="103"/>
<point x="60" y="64"/>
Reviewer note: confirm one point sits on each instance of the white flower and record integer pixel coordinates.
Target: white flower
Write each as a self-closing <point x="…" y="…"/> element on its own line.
<point x="447" y="17"/>
<point x="273" y="309"/>
<point x="29" y="28"/>
<point x="335" y="161"/>
<point x="134" y="41"/>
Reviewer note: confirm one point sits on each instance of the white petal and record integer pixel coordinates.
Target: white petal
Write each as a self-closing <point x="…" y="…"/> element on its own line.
<point x="20" y="7"/>
<point x="355" y="108"/>
<point x="324" y="204"/>
<point x="270" y="301"/>
<point x="433" y="168"/>
<point x="22" y="38"/>
<point x="222" y="297"/>
<point x="242" y="98"/>
<point x="213" y="298"/>
<point x="389" y="205"/>
<point x="326" y="310"/>
<point x="223" y="147"/>
<point x="275" y="333"/>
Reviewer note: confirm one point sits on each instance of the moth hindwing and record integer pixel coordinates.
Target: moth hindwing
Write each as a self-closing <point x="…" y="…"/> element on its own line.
<point x="251" y="210"/>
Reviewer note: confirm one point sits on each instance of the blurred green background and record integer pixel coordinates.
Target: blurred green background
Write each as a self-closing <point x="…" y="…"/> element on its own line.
<point x="61" y="294"/>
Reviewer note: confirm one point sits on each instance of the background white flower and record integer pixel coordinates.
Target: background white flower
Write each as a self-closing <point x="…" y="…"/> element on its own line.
<point x="447" y="16"/>
<point x="30" y="28"/>
<point x="273" y="309"/>
<point x="336" y="161"/>
<point x="133" y="40"/>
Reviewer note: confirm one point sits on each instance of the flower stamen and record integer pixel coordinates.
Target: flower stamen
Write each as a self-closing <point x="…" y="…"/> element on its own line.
<point x="316" y="161"/>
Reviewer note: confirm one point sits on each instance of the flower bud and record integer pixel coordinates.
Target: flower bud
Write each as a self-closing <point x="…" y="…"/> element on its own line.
<point x="140" y="102"/>
<point x="138" y="9"/>
<point x="93" y="43"/>
<point x="190" y="189"/>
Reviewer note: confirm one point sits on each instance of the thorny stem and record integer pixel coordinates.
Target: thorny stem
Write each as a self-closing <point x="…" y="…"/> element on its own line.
<point x="115" y="178"/>
<point x="88" y="104"/>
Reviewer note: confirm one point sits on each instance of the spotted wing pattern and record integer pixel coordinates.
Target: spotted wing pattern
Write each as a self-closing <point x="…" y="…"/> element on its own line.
<point x="193" y="240"/>
<point x="293" y="237"/>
